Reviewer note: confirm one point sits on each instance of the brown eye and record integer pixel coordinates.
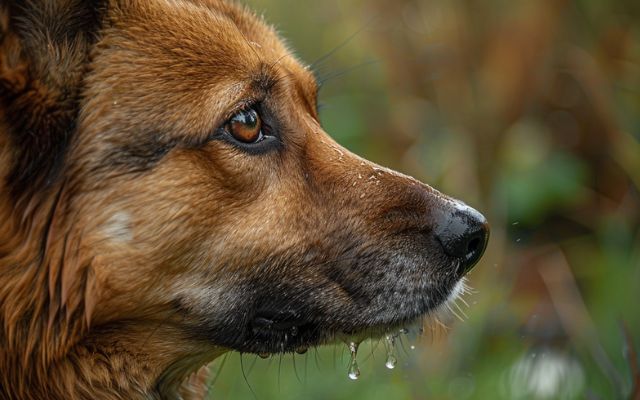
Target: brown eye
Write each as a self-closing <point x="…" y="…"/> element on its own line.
<point x="246" y="126"/>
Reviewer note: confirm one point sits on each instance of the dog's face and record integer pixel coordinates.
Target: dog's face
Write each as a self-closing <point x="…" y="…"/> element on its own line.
<point x="211" y="198"/>
<point x="204" y="191"/>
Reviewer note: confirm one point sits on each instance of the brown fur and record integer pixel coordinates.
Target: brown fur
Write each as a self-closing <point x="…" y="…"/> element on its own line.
<point x="135" y="247"/>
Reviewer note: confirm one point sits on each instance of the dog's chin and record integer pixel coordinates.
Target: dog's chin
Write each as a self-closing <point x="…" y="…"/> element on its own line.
<point x="270" y="332"/>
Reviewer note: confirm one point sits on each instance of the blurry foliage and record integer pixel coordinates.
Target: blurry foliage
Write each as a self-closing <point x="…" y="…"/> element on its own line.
<point x="530" y="112"/>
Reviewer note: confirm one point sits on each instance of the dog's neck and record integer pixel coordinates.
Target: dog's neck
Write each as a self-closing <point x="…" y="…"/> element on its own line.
<point x="46" y="333"/>
<point x="35" y="303"/>
<point x="138" y="362"/>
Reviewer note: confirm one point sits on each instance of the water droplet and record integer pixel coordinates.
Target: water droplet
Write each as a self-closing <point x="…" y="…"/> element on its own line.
<point x="354" y="370"/>
<point x="391" y="358"/>
<point x="301" y="350"/>
<point x="264" y="355"/>
<point x="391" y="341"/>
<point x="412" y="347"/>
<point x="391" y="361"/>
<point x="294" y="330"/>
<point x="403" y="331"/>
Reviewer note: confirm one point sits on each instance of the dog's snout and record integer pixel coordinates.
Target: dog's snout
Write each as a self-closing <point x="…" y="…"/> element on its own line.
<point x="463" y="234"/>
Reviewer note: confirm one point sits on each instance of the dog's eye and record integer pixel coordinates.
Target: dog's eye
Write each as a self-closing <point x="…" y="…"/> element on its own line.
<point x="246" y="126"/>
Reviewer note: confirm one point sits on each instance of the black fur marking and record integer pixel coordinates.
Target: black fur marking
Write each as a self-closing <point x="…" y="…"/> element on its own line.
<point x="41" y="114"/>
<point x="39" y="156"/>
<point x="139" y="156"/>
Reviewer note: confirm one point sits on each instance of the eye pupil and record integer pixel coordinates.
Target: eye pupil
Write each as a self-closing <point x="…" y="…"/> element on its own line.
<point x="246" y="126"/>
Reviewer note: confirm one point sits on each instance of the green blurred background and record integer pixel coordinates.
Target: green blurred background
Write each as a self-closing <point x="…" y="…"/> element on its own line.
<point x="530" y="112"/>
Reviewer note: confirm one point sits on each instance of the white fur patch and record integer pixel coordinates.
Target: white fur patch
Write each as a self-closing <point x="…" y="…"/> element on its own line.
<point x="457" y="291"/>
<point x="118" y="227"/>
<point x="447" y="306"/>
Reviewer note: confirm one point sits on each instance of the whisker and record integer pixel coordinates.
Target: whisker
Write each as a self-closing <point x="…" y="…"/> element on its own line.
<point x="295" y="367"/>
<point x="158" y="326"/>
<point x="337" y="74"/>
<point x="249" y="43"/>
<point x="279" y="372"/>
<point x="316" y="357"/>
<point x="218" y="372"/>
<point x="404" y="348"/>
<point x="331" y="52"/>
<point x="373" y="348"/>
<point x="454" y="313"/>
<point x="455" y="303"/>
<point x="277" y="61"/>
<point x="253" y="363"/>
<point x="246" y="379"/>
<point x="441" y="324"/>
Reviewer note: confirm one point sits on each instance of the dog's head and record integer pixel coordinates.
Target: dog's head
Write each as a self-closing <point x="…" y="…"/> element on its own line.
<point x="195" y="188"/>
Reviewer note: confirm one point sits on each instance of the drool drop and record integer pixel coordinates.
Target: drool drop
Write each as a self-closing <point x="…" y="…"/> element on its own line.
<point x="391" y="361"/>
<point x="391" y="358"/>
<point x="354" y="370"/>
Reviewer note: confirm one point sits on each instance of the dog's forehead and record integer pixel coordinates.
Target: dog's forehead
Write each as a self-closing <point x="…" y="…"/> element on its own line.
<point x="210" y="37"/>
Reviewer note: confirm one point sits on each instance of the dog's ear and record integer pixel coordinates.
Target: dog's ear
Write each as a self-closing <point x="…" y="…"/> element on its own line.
<point x="44" y="48"/>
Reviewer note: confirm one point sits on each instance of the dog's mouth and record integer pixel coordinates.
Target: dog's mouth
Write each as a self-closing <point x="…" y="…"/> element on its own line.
<point x="366" y="295"/>
<point x="271" y="336"/>
<point x="280" y="332"/>
<point x="272" y="331"/>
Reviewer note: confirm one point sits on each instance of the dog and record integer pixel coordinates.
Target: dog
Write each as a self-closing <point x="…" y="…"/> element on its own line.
<point x="168" y="195"/>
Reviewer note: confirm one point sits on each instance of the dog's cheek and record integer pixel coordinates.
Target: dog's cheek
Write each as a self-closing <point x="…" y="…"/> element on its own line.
<point x="176" y="223"/>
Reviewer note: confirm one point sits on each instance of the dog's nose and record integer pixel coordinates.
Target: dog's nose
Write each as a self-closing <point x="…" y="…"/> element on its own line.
<point x="463" y="234"/>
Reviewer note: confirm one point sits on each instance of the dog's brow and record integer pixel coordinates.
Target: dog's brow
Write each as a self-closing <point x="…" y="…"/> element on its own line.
<point x="304" y="83"/>
<point x="265" y="79"/>
<point x="306" y="86"/>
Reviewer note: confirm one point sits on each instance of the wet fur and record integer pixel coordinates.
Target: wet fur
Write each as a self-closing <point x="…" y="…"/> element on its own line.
<point x="137" y="244"/>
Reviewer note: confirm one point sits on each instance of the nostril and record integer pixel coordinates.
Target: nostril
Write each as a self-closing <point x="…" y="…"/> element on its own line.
<point x="476" y="243"/>
<point x="473" y="245"/>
